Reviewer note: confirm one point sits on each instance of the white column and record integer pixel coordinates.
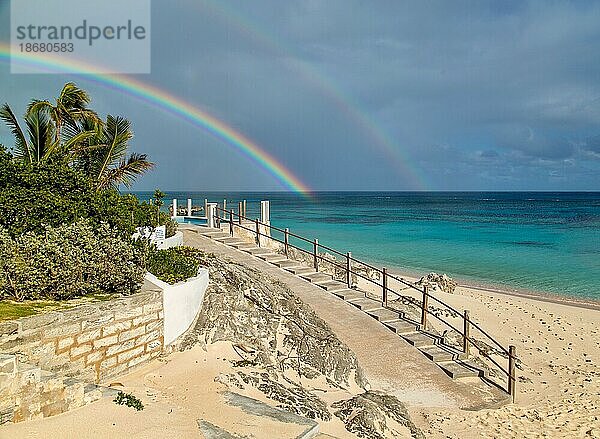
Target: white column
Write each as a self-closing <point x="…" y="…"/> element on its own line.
<point x="211" y="209"/>
<point x="206" y="207"/>
<point x="174" y="207"/>
<point x="189" y="207"/>
<point x="265" y="212"/>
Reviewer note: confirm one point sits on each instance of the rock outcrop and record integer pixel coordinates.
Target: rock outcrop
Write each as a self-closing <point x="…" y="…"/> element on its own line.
<point x="438" y="282"/>
<point x="287" y="352"/>
<point x="374" y="415"/>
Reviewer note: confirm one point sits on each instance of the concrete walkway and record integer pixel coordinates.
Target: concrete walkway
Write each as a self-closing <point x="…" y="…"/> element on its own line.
<point x="390" y="363"/>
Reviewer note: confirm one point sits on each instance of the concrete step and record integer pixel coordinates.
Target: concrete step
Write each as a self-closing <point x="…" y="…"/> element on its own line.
<point x="402" y="326"/>
<point x="332" y="285"/>
<point x="255" y="251"/>
<point x="300" y="269"/>
<point x="272" y="257"/>
<point x="384" y="315"/>
<point x="206" y="230"/>
<point x="217" y="235"/>
<point x="365" y="304"/>
<point x="287" y="263"/>
<point x="440" y="353"/>
<point x="243" y="245"/>
<point x="420" y="339"/>
<point x="316" y="277"/>
<point x="460" y="369"/>
<point x="348" y="294"/>
<point x="230" y="240"/>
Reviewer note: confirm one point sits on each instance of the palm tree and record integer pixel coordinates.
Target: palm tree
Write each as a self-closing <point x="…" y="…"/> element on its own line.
<point x="104" y="157"/>
<point x="39" y="142"/>
<point x="71" y="130"/>
<point x="70" y="106"/>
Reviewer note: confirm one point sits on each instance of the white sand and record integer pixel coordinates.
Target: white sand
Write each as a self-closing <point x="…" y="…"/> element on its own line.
<point x="558" y="387"/>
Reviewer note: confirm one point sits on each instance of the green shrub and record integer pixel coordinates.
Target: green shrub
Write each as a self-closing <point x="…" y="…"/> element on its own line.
<point x="69" y="261"/>
<point x="129" y="400"/>
<point x="173" y="265"/>
<point x="52" y="194"/>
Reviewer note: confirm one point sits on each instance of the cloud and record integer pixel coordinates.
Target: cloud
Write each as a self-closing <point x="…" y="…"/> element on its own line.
<point x="496" y="95"/>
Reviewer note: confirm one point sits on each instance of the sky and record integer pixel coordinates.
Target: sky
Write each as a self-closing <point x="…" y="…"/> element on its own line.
<point x="363" y="95"/>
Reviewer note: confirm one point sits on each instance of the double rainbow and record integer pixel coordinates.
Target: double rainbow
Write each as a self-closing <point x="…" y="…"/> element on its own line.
<point x="165" y="101"/>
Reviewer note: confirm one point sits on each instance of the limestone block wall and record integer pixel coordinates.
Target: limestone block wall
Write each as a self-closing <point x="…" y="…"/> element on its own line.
<point x="91" y="342"/>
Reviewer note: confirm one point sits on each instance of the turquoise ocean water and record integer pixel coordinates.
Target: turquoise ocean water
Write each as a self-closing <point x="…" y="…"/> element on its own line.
<point x="536" y="241"/>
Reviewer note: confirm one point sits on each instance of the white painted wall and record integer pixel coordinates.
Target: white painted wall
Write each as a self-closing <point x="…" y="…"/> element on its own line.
<point x="174" y="241"/>
<point x="181" y="302"/>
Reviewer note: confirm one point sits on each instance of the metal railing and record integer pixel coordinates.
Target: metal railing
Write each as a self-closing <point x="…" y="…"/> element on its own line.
<point x="352" y="267"/>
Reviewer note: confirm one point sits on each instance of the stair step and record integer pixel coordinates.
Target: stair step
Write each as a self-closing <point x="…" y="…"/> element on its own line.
<point x="229" y="240"/>
<point x="272" y="257"/>
<point x="243" y="245"/>
<point x="460" y="369"/>
<point x="206" y="230"/>
<point x="401" y="326"/>
<point x="440" y="353"/>
<point x="332" y="285"/>
<point x="384" y="315"/>
<point x="286" y="263"/>
<point x="300" y="269"/>
<point x="255" y="251"/>
<point x="215" y="235"/>
<point x="348" y="294"/>
<point x="365" y="304"/>
<point x="316" y="277"/>
<point x="420" y="339"/>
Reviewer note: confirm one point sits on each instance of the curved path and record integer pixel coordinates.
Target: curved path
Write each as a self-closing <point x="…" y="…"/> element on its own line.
<point x="389" y="362"/>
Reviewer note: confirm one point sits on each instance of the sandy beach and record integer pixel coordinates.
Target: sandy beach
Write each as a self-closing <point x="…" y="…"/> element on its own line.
<point x="558" y="381"/>
<point x="558" y="384"/>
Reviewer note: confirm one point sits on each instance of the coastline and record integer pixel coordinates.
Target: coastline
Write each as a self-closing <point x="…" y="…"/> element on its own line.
<point x="543" y="296"/>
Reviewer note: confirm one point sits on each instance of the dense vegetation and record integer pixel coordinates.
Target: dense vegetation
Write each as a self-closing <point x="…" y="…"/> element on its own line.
<point x="65" y="229"/>
<point x="175" y="264"/>
<point x="69" y="261"/>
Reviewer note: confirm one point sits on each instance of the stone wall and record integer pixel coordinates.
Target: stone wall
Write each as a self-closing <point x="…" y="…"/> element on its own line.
<point x="91" y="342"/>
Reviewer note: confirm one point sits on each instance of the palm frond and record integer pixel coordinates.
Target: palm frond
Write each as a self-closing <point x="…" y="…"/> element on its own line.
<point x="73" y="97"/>
<point x="116" y="134"/>
<point x="22" y="148"/>
<point x="41" y="133"/>
<point x="126" y="172"/>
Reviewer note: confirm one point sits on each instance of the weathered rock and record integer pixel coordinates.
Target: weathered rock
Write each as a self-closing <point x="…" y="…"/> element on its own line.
<point x="438" y="282"/>
<point x="282" y="343"/>
<point x="371" y="415"/>
<point x="292" y="399"/>
<point x="247" y="308"/>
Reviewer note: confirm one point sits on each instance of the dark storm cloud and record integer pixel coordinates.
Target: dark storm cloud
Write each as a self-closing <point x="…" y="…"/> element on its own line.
<point x="474" y="95"/>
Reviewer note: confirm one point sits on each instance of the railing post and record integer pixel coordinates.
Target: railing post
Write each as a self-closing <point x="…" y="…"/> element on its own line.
<point x="385" y="287"/>
<point x="231" y="222"/>
<point x="286" y="240"/>
<point x="240" y="207"/>
<point x="316" y="254"/>
<point x="349" y="269"/>
<point x="424" y="307"/>
<point x="257" y="232"/>
<point x="244" y="209"/>
<point x="466" y="333"/>
<point x="512" y="357"/>
<point x="224" y="207"/>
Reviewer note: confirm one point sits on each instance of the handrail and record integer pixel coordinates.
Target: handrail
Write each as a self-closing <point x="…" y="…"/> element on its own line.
<point x="467" y="340"/>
